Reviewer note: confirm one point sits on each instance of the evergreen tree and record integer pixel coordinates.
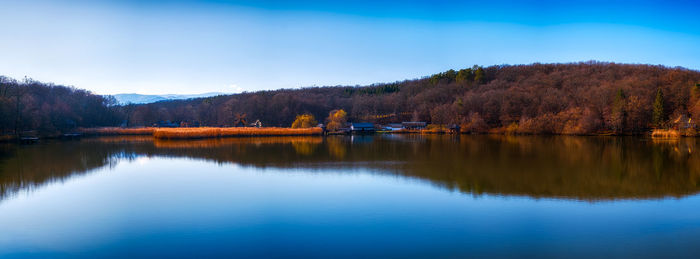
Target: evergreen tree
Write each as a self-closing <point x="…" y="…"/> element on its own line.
<point x="619" y="97"/>
<point x="619" y="114"/>
<point x="464" y="75"/>
<point x="658" y="116"/>
<point x="695" y="92"/>
<point x="478" y="74"/>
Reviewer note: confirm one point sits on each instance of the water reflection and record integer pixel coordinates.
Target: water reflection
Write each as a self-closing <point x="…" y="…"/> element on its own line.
<point x="582" y="168"/>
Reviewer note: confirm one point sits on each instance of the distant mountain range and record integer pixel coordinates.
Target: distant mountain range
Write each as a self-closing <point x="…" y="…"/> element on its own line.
<point x="148" y="98"/>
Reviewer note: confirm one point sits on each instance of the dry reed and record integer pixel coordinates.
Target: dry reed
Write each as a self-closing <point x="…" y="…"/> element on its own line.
<point x="107" y="131"/>
<point x="661" y="133"/>
<point x="211" y="132"/>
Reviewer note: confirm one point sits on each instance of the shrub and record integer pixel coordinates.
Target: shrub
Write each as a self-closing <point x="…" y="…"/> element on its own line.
<point x="304" y="121"/>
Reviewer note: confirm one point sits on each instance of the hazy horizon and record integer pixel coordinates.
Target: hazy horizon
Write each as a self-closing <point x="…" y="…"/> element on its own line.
<point x="191" y="47"/>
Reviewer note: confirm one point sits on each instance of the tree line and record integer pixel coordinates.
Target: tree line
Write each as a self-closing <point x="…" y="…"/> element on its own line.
<point x="573" y="98"/>
<point x="49" y="109"/>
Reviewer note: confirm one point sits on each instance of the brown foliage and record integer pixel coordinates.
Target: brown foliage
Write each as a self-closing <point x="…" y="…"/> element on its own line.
<point x="304" y="121"/>
<point x="574" y="98"/>
<point x="336" y="120"/>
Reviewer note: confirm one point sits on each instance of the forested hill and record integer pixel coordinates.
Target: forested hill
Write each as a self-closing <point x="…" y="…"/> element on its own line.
<point x="48" y="109"/>
<point x="571" y="98"/>
<point x="576" y="98"/>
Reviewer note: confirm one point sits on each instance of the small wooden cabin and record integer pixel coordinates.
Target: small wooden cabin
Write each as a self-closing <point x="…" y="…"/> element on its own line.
<point x="256" y="124"/>
<point x="454" y="129"/>
<point x="362" y="127"/>
<point x="414" y="125"/>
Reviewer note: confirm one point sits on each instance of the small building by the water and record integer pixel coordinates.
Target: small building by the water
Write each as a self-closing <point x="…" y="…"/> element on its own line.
<point x="414" y="125"/>
<point x="394" y="126"/>
<point x="166" y="124"/>
<point x="362" y="127"/>
<point x="256" y="124"/>
<point x="454" y="128"/>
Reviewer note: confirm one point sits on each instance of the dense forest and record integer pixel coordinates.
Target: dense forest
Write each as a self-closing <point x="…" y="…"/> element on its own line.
<point x="575" y="98"/>
<point x="49" y="109"/>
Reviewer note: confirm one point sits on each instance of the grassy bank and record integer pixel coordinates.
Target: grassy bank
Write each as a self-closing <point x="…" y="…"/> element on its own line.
<point x="199" y="133"/>
<point x="662" y="133"/>
<point x="116" y="131"/>
<point x="218" y="132"/>
<point x="211" y="132"/>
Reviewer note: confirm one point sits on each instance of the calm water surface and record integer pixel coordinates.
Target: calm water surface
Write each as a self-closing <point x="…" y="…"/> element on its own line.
<point x="372" y="196"/>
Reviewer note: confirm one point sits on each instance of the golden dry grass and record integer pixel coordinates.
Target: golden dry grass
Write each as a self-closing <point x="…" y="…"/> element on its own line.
<point x="661" y="133"/>
<point x="434" y="129"/>
<point x="211" y="132"/>
<point x="106" y="131"/>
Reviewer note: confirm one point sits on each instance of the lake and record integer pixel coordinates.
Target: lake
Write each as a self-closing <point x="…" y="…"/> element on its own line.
<point x="351" y="196"/>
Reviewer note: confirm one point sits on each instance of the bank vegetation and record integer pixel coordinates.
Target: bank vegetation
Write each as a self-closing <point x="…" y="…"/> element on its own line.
<point x="575" y="98"/>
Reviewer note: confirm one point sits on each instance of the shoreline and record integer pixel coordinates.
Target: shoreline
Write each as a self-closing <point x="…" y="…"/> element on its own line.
<point x="226" y="132"/>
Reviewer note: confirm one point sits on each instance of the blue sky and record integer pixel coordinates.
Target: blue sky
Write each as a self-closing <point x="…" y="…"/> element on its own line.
<point x="230" y="46"/>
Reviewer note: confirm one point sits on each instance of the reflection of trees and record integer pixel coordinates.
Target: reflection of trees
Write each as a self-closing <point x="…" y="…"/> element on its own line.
<point x="336" y="147"/>
<point x="304" y="148"/>
<point x="29" y="167"/>
<point x="567" y="167"/>
<point x="587" y="168"/>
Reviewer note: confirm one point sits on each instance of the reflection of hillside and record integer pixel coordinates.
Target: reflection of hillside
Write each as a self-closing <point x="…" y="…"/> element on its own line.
<point x="565" y="167"/>
<point x="29" y="167"/>
<point x="586" y="168"/>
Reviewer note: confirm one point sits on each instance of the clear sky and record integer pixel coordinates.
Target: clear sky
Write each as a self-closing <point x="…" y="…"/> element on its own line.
<point x="230" y="46"/>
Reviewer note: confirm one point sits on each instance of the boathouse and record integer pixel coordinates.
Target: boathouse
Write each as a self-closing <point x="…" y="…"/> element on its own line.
<point x="362" y="127"/>
<point x="414" y="125"/>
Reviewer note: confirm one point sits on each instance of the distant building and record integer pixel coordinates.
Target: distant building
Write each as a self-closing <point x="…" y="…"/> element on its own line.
<point x="362" y="127"/>
<point x="394" y="126"/>
<point x="167" y="124"/>
<point x="414" y="125"/>
<point x="455" y="128"/>
<point x="256" y="124"/>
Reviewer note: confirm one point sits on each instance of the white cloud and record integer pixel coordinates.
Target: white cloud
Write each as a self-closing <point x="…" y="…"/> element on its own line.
<point x="235" y="89"/>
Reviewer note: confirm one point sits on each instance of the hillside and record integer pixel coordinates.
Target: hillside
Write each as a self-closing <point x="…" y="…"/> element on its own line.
<point x="30" y="107"/>
<point x="124" y="99"/>
<point x="575" y="98"/>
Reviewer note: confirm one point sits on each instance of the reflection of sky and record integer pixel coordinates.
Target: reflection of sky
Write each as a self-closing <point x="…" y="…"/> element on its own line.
<point x="169" y="206"/>
<point x="217" y="45"/>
